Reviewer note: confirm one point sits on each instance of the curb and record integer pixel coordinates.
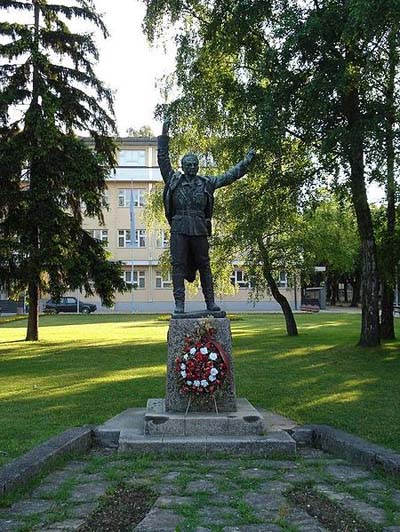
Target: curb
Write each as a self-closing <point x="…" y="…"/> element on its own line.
<point x="20" y="471"/>
<point x="352" y="448"/>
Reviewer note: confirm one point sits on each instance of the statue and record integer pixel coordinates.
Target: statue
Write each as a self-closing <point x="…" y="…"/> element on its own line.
<point x="188" y="203"/>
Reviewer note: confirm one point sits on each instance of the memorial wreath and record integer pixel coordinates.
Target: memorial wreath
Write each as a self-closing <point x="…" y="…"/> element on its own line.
<point x="203" y="365"/>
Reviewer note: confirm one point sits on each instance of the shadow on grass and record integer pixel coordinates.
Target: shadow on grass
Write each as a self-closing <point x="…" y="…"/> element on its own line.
<point x="322" y="377"/>
<point x="54" y="390"/>
<point x="79" y="319"/>
<point x="318" y="377"/>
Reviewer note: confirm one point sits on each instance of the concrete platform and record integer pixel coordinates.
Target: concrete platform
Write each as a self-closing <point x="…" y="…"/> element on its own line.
<point x="126" y="433"/>
<point x="245" y="421"/>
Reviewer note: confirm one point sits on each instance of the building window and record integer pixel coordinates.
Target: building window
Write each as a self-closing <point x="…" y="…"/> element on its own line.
<point x="99" y="234"/>
<point x="132" y="158"/>
<point x="124" y="238"/>
<point x="124" y="197"/>
<point x="139" y="278"/>
<point x="239" y="278"/>
<point x="163" y="281"/>
<point x="283" y="280"/>
<point x="162" y="238"/>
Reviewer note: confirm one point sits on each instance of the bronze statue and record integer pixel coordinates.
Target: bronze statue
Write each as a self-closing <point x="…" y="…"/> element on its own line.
<point x="188" y="204"/>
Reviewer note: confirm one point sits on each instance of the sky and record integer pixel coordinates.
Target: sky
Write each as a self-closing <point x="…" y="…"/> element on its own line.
<point x="129" y="65"/>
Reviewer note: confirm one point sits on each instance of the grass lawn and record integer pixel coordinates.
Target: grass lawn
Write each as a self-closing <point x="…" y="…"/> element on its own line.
<point x="86" y="369"/>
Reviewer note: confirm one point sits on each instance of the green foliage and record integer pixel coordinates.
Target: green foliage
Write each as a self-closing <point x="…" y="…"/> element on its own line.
<point x="50" y="176"/>
<point x="331" y="237"/>
<point x="143" y="131"/>
<point x="221" y="108"/>
<point x="274" y="73"/>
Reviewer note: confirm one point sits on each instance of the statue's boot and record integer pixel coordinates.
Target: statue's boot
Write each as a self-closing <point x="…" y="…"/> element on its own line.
<point x="208" y="290"/>
<point x="178" y="282"/>
<point x="179" y="307"/>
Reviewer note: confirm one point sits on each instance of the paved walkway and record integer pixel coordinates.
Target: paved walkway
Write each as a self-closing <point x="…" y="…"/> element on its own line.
<point x="314" y="493"/>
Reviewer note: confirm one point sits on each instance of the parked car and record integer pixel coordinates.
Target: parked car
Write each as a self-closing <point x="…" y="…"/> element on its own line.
<point x="68" y="304"/>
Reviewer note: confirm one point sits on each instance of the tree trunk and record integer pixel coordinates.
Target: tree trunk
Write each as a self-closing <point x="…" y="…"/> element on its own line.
<point x="389" y="256"/>
<point x="32" y="333"/>
<point x="370" y="333"/>
<point x="333" y="284"/>
<point x="328" y="290"/>
<point x="356" y="285"/>
<point x="387" y="320"/>
<point x="345" y="293"/>
<point x="291" y="327"/>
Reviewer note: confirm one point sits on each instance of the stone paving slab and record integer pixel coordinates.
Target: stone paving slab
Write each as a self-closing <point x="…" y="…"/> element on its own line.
<point x="198" y="494"/>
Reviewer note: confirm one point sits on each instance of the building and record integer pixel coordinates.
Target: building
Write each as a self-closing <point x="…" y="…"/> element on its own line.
<point x="132" y="180"/>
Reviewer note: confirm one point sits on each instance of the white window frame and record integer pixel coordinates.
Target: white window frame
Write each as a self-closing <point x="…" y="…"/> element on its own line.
<point x="282" y="281"/>
<point x="239" y="278"/>
<point x="132" y="158"/>
<point x="99" y="234"/>
<point x="162" y="240"/>
<point x="124" y="197"/>
<point x="139" y="278"/>
<point x="163" y="281"/>
<point x="124" y="236"/>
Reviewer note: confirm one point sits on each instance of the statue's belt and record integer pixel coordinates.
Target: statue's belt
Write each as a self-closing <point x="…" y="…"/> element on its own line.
<point x="188" y="212"/>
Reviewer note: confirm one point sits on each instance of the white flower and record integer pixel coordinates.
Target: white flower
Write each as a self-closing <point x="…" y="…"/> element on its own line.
<point x="192" y="351"/>
<point x="211" y="378"/>
<point x="183" y="366"/>
<point x="204" y="383"/>
<point x="183" y="373"/>
<point x="186" y="357"/>
<point x="189" y="383"/>
<point x="196" y="383"/>
<point x="214" y="371"/>
<point x="203" y="350"/>
<point x="213" y="356"/>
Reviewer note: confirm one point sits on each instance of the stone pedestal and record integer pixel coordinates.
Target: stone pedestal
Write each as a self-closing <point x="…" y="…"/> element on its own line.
<point x="175" y="401"/>
<point x="245" y="421"/>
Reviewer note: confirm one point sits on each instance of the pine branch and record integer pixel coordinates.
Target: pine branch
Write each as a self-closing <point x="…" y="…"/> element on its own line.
<point x="67" y="74"/>
<point x="6" y="4"/>
<point x="72" y="111"/>
<point x="13" y="29"/>
<point x="16" y="48"/>
<point x="76" y="12"/>
<point x="75" y="45"/>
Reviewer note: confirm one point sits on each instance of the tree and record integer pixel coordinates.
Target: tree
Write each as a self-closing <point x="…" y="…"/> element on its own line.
<point x="264" y="230"/>
<point x="143" y="131"/>
<point x="390" y="255"/>
<point x="296" y="70"/>
<point x="50" y="175"/>
<point x="331" y="240"/>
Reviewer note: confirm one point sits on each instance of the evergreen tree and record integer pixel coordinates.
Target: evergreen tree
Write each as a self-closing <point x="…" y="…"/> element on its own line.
<point x="50" y="176"/>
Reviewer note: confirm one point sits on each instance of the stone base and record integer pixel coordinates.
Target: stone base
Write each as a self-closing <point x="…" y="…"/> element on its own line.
<point x="245" y="421"/>
<point x="175" y="401"/>
<point x="199" y="314"/>
<point x="273" y="445"/>
<point x="126" y="433"/>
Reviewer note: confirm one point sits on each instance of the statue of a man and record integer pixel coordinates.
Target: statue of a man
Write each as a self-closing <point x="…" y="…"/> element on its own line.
<point x="188" y="204"/>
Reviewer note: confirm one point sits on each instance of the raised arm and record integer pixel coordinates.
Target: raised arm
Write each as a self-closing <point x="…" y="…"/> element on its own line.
<point x="234" y="173"/>
<point x="163" y="152"/>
